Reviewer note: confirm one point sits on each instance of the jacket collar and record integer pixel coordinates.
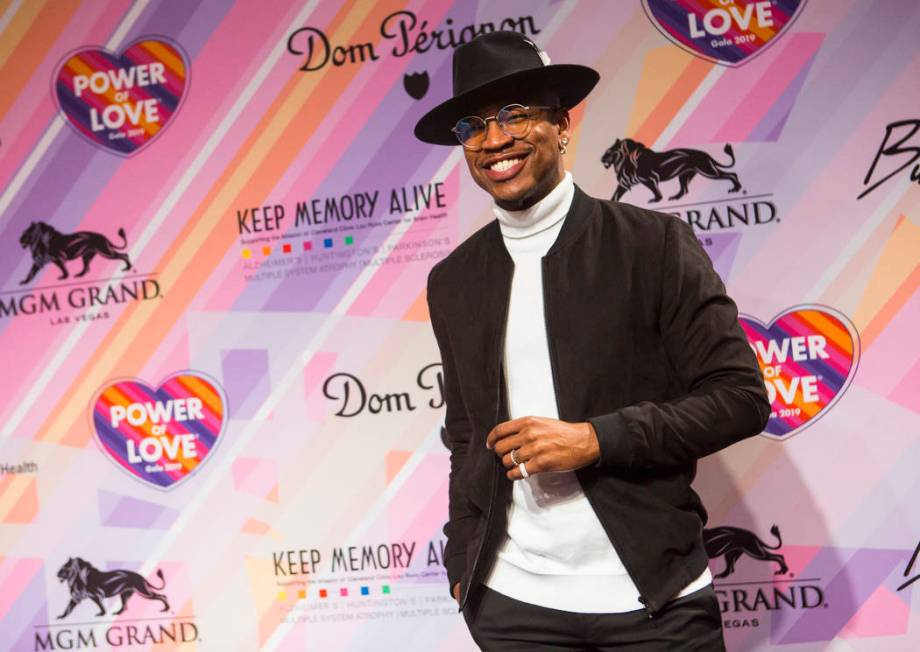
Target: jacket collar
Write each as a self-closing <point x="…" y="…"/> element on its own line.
<point x="576" y="220"/>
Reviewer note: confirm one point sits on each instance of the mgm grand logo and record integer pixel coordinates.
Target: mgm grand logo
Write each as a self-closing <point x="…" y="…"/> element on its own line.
<point x="745" y="602"/>
<point x="69" y="293"/>
<point x="87" y="583"/>
<point x="640" y="170"/>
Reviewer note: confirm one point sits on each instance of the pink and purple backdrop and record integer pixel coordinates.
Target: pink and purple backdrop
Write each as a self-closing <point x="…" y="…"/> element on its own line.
<point x="215" y="229"/>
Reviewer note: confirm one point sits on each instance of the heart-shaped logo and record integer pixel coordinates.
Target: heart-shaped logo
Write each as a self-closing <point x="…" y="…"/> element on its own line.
<point x="160" y="436"/>
<point x="122" y="102"/>
<point x="808" y="356"/>
<point x="728" y="32"/>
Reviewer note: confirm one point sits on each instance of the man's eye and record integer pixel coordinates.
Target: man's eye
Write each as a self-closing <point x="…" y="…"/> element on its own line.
<point x="469" y="128"/>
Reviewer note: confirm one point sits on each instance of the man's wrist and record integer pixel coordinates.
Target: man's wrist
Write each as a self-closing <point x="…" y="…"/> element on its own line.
<point x="594" y="447"/>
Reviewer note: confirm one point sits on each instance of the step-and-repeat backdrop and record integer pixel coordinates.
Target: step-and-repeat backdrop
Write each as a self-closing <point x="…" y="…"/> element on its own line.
<point x="221" y="399"/>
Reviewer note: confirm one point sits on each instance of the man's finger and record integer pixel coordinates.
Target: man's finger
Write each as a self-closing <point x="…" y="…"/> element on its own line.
<point x="521" y="454"/>
<point x="504" y="429"/>
<point x="531" y="465"/>
<point x="509" y="443"/>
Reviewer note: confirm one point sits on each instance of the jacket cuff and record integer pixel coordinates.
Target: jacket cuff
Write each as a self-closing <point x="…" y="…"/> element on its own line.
<point x="613" y="440"/>
<point x="455" y="566"/>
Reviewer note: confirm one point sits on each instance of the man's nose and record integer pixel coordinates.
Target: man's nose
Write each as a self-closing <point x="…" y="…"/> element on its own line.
<point x="495" y="137"/>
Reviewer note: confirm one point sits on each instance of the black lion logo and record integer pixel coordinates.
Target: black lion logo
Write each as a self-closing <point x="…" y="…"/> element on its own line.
<point x="733" y="542"/>
<point x="86" y="581"/>
<point x="48" y="245"/>
<point x="635" y="163"/>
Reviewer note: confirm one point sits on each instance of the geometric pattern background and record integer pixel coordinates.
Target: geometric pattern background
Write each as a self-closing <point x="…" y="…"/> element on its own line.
<point x="257" y="212"/>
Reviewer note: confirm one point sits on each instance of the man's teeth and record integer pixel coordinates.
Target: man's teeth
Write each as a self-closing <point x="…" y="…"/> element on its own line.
<point x="501" y="166"/>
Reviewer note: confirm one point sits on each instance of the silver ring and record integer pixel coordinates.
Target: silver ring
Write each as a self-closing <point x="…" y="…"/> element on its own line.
<point x="514" y="460"/>
<point x="523" y="470"/>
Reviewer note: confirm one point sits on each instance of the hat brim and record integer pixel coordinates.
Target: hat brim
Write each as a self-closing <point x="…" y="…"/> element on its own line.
<point x="571" y="82"/>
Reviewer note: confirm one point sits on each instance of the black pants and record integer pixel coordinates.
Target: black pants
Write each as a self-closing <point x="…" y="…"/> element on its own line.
<point x="498" y="623"/>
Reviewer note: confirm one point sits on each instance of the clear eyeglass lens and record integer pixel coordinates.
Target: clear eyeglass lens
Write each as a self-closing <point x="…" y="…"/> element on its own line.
<point x="470" y="130"/>
<point x="513" y="119"/>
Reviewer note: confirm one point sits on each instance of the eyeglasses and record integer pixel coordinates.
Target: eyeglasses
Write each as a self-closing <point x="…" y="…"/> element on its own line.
<point x="514" y="120"/>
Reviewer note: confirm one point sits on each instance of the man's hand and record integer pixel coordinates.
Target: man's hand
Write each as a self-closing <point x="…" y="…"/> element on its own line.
<point x="544" y="445"/>
<point x="456" y="592"/>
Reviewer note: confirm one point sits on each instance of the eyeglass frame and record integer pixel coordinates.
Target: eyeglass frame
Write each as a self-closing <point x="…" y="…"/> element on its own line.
<point x="485" y="121"/>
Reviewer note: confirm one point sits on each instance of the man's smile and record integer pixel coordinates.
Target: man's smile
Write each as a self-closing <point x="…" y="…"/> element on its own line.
<point x="501" y="168"/>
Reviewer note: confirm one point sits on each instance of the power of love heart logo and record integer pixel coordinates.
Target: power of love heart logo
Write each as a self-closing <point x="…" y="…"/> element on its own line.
<point x="727" y="32"/>
<point x="808" y="356"/>
<point x="122" y="102"/>
<point x="162" y="435"/>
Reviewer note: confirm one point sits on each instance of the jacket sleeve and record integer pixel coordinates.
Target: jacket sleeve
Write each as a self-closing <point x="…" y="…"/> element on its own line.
<point x="461" y="519"/>
<point x="725" y="399"/>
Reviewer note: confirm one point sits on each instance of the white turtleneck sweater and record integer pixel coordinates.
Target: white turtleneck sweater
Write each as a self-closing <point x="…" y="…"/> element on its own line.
<point x="556" y="554"/>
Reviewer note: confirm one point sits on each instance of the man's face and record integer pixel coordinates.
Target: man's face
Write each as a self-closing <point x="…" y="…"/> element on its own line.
<point x="537" y="165"/>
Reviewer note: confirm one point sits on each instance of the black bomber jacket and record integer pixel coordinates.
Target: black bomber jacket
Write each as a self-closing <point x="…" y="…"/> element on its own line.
<point x="644" y="344"/>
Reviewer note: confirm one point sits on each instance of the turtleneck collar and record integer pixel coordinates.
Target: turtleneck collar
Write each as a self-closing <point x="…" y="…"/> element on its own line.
<point x="544" y="214"/>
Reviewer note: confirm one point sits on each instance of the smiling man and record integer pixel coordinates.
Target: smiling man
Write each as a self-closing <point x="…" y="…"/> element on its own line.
<point x="590" y="357"/>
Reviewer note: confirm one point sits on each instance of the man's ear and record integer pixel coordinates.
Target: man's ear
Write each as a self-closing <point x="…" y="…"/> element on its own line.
<point x="563" y="123"/>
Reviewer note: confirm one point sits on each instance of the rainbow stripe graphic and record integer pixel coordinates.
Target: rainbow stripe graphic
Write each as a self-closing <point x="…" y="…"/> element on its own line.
<point x="729" y="33"/>
<point x="808" y="356"/>
<point x="160" y="436"/>
<point x="122" y="102"/>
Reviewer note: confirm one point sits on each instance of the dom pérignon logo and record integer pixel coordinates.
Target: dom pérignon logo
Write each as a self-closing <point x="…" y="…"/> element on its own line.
<point x="122" y="102"/>
<point x="808" y="356"/>
<point x="727" y="32"/>
<point x="416" y="84"/>
<point x="160" y="436"/>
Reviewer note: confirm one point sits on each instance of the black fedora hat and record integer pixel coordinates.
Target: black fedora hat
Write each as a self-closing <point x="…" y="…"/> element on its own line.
<point x="501" y="62"/>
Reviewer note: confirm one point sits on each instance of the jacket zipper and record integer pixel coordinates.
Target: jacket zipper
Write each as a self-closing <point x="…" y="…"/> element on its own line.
<point x="552" y="367"/>
<point x="494" y="487"/>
